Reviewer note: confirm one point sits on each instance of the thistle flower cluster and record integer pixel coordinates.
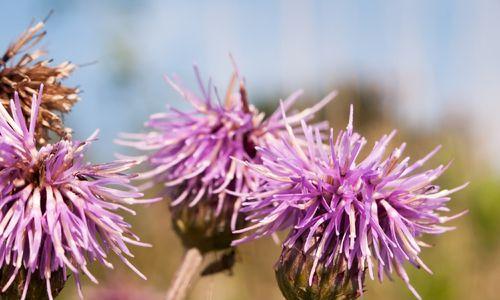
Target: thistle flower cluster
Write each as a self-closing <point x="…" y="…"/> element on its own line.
<point x="25" y="75"/>
<point x="58" y="213"/>
<point x="366" y="213"/>
<point x="192" y="151"/>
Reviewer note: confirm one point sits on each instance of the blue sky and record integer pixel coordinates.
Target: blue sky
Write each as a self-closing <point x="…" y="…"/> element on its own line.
<point x="440" y="57"/>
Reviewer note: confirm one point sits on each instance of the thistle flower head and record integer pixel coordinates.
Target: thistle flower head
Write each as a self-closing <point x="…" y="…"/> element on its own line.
<point x="368" y="212"/>
<point x="192" y="154"/>
<point x="58" y="213"/>
<point x="25" y="75"/>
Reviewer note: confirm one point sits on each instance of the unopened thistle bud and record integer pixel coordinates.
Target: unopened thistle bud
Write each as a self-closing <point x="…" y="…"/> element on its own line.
<point x="346" y="217"/>
<point x="57" y="212"/>
<point x="192" y="157"/>
<point x="22" y="70"/>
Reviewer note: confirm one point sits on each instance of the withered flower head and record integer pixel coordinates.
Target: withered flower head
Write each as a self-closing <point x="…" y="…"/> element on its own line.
<point x="22" y="70"/>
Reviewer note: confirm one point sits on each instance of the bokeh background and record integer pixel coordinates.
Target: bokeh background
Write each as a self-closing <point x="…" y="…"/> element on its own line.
<point x="429" y="68"/>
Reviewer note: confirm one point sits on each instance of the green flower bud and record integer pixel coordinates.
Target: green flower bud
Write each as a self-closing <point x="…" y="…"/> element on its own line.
<point x="37" y="288"/>
<point x="330" y="282"/>
<point x="200" y="227"/>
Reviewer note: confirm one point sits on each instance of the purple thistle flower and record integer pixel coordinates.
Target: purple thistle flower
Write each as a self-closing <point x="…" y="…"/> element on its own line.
<point x="191" y="152"/>
<point x="363" y="211"/>
<point x="57" y="213"/>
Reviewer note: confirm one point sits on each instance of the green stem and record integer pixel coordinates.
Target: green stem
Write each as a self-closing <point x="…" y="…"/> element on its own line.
<point x="186" y="275"/>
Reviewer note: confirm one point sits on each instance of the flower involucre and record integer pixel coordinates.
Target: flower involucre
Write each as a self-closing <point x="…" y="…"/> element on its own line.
<point x="370" y="212"/>
<point x="58" y="213"/>
<point x="192" y="150"/>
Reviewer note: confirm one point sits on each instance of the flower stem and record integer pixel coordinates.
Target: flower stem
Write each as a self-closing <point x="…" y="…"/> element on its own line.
<point x="185" y="275"/>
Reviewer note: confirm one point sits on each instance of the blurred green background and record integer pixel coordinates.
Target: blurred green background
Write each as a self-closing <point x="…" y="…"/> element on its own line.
<point x="430" y="69"/>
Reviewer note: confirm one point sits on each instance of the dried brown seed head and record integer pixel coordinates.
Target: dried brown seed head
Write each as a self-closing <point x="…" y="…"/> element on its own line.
<point x="23" y="70"/>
